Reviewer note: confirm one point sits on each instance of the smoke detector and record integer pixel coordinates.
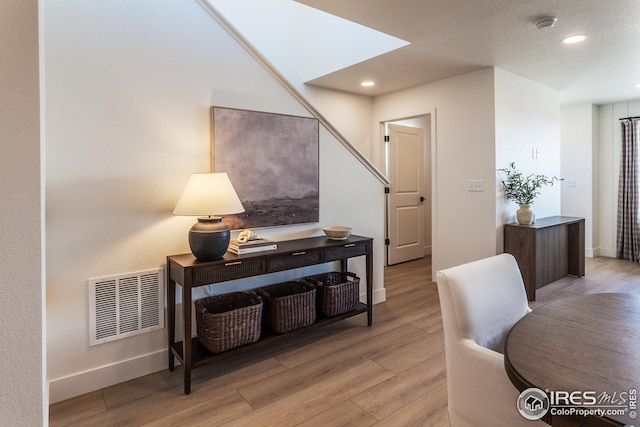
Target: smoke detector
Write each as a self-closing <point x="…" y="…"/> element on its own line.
<point x="546" y="22"/>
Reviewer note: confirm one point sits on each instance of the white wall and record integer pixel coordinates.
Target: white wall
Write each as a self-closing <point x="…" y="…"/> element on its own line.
<point x="294" y="39"/>
<point x="350" y="114"/>
<point x="609" y="137"/>
<point x="579" y="125"/>
<point x="483" y="121"/>
<point x="527" y="118"/>
<point x="23" y="396"/>
<point x="463" y="149"/>
<point x="128" y="91"/>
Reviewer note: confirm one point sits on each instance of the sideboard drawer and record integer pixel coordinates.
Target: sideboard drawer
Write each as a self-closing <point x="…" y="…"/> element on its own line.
<point x="229" y="271"/>
<point x="293" y="260"/>
<point x="345" y="251"/>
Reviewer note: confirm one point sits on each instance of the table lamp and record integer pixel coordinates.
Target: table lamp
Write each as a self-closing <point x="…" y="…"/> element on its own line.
<point x="207" y="195"/>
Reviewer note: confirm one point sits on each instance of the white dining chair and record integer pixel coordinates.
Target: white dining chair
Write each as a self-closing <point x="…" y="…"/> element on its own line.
<point x="480" y="302"/>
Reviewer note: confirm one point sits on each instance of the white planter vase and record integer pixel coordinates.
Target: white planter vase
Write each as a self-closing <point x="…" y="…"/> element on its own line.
<point x="525" y="215"/>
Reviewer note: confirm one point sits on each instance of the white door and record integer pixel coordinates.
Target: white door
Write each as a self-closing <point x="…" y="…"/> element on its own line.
<point x="406" y="195"/>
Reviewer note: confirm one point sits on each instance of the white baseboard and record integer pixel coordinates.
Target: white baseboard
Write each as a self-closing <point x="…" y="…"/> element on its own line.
<point x="379" y="295"/>
<point x="592" y="253"/>
<point x="95" y="379"/>
<point x="105" y="376"/>
<point x="611" y="253"/>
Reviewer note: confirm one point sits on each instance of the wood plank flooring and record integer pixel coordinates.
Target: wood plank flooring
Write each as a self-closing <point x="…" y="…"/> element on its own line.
<point x="345" y="374"/>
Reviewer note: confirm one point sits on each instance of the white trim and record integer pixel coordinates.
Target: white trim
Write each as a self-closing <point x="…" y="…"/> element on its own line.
<point x="108" y="375"/>
<point x="115" y="373"/>
<point x="379" y="295"/>
<point x="610" y="253"/>
<point x="435" y="261"/>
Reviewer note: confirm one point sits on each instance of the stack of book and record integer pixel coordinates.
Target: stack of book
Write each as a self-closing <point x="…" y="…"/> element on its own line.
<point x="250" y="246"/>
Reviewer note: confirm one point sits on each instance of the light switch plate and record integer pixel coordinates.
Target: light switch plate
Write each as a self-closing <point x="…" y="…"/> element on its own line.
<point x="475" y="185"/>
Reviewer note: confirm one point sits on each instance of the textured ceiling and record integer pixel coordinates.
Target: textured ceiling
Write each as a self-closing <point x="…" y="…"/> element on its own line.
<point x="452" y="37"/>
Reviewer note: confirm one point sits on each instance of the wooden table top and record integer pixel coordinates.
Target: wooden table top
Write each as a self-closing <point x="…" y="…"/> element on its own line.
<point x="549" y="221"/>
<point x="582" y="343"/>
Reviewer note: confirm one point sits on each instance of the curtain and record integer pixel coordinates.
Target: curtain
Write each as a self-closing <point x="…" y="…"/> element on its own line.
<point x="628" y="236"/>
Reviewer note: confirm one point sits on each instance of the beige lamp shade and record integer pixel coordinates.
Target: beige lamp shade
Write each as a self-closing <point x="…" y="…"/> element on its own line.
<point x="208" y="194"/>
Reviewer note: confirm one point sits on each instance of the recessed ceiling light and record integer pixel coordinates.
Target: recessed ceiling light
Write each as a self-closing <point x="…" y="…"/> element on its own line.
<point x="638" y="85"/>
<point x="367" y="83"/>
<point x="574" y="39"/>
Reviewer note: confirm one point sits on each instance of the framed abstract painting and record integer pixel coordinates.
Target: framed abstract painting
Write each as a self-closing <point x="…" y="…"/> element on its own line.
<point x="273" y="163"/>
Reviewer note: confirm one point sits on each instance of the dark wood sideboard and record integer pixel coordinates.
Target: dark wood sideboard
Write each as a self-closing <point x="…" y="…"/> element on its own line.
<point x="187" y="272"/>
<point x="546" y="250"/>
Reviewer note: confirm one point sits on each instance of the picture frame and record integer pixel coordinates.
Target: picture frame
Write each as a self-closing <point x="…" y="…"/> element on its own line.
<point x="273" y="163"/>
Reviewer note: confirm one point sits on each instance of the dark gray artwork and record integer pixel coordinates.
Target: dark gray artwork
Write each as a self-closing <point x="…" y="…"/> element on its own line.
<point x="272" y="162"/>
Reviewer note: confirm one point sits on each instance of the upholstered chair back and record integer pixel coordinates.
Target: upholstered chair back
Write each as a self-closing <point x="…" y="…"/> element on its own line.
<point x="487" y="299"/>
<point x="480" y="302"/>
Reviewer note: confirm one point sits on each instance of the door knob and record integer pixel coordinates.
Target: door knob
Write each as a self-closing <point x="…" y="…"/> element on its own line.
<point x="421" y="198"/>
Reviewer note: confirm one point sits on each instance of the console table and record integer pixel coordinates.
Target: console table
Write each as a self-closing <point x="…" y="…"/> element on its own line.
<point x="546" y="250"/>
<point x="186" y="271"/>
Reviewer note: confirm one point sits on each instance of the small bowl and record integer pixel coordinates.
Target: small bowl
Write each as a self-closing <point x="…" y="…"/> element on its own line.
<point x="337" y="232"/>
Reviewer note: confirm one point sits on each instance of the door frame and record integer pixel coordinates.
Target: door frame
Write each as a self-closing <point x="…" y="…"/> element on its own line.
<point x="432" y="113"/>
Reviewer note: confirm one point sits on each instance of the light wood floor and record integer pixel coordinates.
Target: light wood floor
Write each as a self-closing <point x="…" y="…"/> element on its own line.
<point x="345" y="374"/>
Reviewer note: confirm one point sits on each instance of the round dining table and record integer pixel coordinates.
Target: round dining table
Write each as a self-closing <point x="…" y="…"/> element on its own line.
<point x="583" y="352"/>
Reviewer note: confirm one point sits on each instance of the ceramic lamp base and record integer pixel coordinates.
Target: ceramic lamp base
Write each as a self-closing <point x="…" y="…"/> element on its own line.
<point x="209" y="238"/>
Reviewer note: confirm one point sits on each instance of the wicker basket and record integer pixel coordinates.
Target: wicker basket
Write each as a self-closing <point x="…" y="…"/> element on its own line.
<point x="337" y="293"/>
<point x="288" y="305"/>
<point x="229" y="320"/>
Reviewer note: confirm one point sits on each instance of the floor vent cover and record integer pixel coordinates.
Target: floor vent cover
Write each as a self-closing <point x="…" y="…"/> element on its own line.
<point x="125" y="305"/>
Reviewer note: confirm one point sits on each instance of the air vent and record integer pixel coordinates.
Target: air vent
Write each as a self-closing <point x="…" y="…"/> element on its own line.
<point x="125" y="305"/>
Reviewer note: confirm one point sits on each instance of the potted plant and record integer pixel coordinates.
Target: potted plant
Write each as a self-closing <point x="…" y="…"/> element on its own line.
<point x="523" y="190"/>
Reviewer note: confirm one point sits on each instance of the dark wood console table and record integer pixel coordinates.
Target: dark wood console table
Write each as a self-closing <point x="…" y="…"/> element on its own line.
<point x="189" y="273"/>
<point x="546" y="250"/>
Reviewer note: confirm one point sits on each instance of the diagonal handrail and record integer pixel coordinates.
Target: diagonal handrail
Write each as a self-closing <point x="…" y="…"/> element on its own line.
<point x="217" y="16"/>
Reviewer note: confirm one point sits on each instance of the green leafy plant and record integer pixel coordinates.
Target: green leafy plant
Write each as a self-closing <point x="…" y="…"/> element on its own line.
<point x="523" y="189"/>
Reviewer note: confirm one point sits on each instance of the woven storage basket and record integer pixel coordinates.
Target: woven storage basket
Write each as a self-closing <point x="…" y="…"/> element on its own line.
<point x="288" y="305"/>
<point x="336" y="292"/>
<point x="229" y="320"/>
